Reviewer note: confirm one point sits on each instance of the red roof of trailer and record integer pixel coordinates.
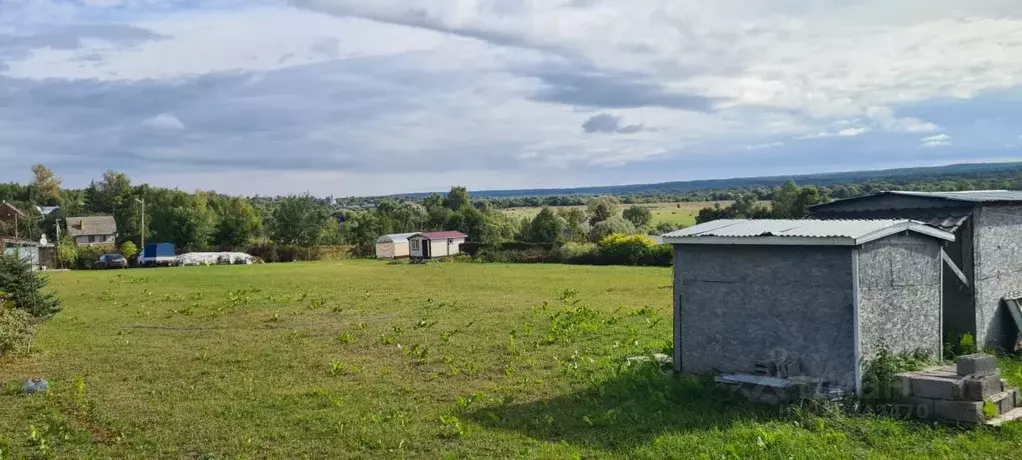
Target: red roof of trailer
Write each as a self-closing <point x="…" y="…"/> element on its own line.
<point x="443" y="235"/>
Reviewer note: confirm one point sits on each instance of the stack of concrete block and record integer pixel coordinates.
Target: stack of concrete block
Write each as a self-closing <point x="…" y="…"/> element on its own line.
<point x="972" y="391"/>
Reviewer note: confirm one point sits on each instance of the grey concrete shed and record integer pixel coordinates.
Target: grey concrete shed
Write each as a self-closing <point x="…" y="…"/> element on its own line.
<point x="982" y="266"/>
<point x="825" y="294"/>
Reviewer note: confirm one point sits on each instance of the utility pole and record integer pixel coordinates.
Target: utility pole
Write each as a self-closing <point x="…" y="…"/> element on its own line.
<point x="142" y="202"/>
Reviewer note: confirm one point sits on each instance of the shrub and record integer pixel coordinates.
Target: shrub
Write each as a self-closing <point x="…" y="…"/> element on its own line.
<point x="661" y="255"/>
<point x="516" y="256"/>
<point x="67" y="254"/>
<point x="16" y="330"/>
<point x="274" y="253"/>
<point x="578" y="253"/>
<point x="620" y="249"/>
<point x="24" y="288"/>
<point x="86" y="257"/>
<point x="129" y="250"/>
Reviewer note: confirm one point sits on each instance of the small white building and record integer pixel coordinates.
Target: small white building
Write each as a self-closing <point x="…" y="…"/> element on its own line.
<point x="393" y="246"/>
<point x="435" y="245"/>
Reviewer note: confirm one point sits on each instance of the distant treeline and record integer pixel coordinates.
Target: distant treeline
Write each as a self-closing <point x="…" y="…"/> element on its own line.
<point x="839" y="185"/>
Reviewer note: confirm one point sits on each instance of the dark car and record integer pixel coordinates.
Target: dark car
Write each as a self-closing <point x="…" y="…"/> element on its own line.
<point x="112" y="261"/>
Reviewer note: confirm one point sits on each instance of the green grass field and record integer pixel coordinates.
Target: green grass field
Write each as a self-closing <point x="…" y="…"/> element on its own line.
<point x="678" y="214"/>
<point x="364" y="359"/>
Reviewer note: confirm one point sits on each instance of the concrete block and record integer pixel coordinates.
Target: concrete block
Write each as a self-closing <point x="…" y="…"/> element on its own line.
<point x="978" y="387"/>
<point x="1016" y="396"/>
<point x="1004" y="401"/>
<point x="1005" y="385"/>
<point x="937" y="386"/>
<point x="959" y="411"/>
<point x="912" y="407"/>
<point x="903" y="384"/>
<point x="978" y="363"/>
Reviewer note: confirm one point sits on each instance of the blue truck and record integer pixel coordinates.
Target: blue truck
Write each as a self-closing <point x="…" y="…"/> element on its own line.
<point x="157" y="254"/>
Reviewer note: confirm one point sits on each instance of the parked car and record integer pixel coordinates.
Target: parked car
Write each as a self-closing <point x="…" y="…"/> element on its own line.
<point x="112" y="261"/>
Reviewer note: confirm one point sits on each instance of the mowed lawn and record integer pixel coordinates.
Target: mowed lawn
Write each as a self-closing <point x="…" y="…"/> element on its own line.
<point x="681" y="214"/>
<point x="364" y="359"/>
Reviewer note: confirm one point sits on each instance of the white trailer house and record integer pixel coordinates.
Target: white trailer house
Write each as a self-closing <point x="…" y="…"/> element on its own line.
<point x="436" y="244"/>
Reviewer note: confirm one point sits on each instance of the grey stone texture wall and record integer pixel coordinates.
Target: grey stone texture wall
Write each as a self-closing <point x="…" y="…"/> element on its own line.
<point x="739" y="305"/>
<point x="900" y="295"/>
<point x="998" y="272"/>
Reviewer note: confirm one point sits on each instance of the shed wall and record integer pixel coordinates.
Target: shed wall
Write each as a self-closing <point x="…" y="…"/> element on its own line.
<point x="438" y="248"/>
<point x="900" y="295"/>
<point x="400" y="250"/>
<point x="739" y="305"/>
<point x="998" y="272"/>
<point x="384" y="250"/>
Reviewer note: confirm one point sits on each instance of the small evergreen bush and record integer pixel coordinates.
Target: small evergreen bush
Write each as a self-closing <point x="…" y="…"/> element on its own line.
<point x="25" y="288"/>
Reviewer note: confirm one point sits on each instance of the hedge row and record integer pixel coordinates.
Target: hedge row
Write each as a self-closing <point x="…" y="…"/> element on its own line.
<point x="616" y="249"/>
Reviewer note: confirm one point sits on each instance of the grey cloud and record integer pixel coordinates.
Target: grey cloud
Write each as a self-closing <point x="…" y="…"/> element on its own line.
<point x="607" y="123"/>
<point x="421" y="18"/>
<point x="70" y="38"/>
<point x="337" y="116"/>
<point x="581" y="3"/>
<point x="589" y="87"/>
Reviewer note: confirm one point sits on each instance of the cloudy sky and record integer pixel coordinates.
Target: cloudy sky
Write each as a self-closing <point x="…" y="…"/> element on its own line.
<point x="357" y="97"/>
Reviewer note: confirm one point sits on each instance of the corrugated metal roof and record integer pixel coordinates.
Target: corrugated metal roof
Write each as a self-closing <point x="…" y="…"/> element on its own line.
<point x="795" y="232"/>
<point x="947" y="219"/>
<point x="443" y="235"/>
<point x="395" y="238"/>
<point x="973" y="196"/>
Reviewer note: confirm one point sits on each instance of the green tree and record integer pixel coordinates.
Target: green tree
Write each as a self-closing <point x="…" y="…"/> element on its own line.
<point x="639" y="216"/>
<point x="602" y="208"/>
<point x="784" y="205"/>
<point x="616" y="224"/>
<point x="237" y="225"/>
<point x="182" y="225"/>
<point x="576" y="224"/>
<point x="298" y="220"/>
<point x="361" y="230"/>
<point x="457" y="198"/>
<point x="45" y="186"/>
<point x="546" y="227"/>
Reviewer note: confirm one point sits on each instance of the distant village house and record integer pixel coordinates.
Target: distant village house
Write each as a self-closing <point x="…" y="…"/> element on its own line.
<point x="92" y="231"/>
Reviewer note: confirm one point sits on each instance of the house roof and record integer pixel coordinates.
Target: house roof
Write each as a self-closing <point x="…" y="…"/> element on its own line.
<point x="807" y="232"/>
<point x="968" y="197"/>
<point x="442" y="235"/>
<point x="94" y="225"/>
<point x="395" y="238"/>
<point x="13" y="209"/>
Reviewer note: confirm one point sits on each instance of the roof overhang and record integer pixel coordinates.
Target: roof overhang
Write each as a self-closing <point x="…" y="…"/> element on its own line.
<point x="916" y="227"/>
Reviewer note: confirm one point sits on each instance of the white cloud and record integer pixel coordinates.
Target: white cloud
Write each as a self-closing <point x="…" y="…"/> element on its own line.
<point x="764" y="146"/>
<point x="164" y="121"/>
<point x="851" y="132"/>
<point x="937" y="140"/>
